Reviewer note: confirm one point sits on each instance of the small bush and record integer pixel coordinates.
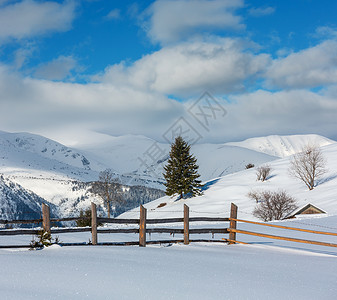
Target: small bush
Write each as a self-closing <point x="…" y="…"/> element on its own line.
<point x="44" y="239"/>
<point x="249" y="166"/>
<point x="263" y="173"/>
<point x="272" y="205"/>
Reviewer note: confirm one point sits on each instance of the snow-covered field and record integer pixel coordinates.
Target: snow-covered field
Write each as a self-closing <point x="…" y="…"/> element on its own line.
<point x="267" y="269"/>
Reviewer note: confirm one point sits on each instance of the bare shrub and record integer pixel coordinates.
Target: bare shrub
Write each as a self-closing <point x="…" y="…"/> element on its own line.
<point x="255" y="195"/>
<point x="249" y="166"/>
<point x="308" y="165"/>
<point x="263" y="172"/>
<point x="272" y="205"/>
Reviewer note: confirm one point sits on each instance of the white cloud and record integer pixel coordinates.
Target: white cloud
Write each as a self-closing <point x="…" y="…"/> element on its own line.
<point x="261" y="11"/>
<point x="58" y="109"/>
<point x="191" y="68"/>
<point x="171" y="21"/>
<point x="29" y="18"/>
<point x="309" y="68"/>
<point x="287" y="112"/>
<point x="22" y="55"/>
<point x="42" y="106"/>
<point x="114" y="14"/>
<point x="57" y="69"/>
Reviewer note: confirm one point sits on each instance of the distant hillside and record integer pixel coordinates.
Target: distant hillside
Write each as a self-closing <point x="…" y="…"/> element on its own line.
<point x="282" y="146"/>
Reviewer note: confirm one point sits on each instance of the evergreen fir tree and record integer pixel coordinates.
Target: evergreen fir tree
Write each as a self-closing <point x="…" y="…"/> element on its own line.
<point x="181" y="171"/>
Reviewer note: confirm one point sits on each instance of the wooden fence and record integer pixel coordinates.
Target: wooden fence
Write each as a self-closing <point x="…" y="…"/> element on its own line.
<point x="143" y="221"/>
<point x="142" y="229"/>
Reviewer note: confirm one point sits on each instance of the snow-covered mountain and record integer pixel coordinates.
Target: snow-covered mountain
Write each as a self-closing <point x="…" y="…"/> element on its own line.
<point x="54" y="172"/>
<point x="18" y="203"/>
<point x="234" y="188"/>
<point x="59" y="174"/>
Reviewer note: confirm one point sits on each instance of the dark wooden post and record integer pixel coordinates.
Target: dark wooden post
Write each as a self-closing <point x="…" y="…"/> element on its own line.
<point x="186" y="225"/>
<point x="45" y="217"/>
<point x="232" y="224"/>
<point x="142" y="226"/>
<point x="94" y="223"/>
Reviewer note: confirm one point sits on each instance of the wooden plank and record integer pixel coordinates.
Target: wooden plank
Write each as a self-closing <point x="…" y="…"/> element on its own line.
<point x="118" y="221"/>
<point x="14" y="246"/>
<point x="20" y="221"/>
<point x="282" y="238"/>
<point x="286" y="227"/>
<point x="165" y="230"/>
<point x="94" y="223"/>
<point x="232" y="223"/>
<point x="119" y="230"/>
<point x="161" y="221"/>
<point x="191" y="231"/>
<point x="68" y="230"/>
<point x="167" y="220"/>
<point x="142" y="227"/>
<point x="19" y="232"/>
<point x="208" y="230"/>
<point x="208" y="219"/>
<point x="186" y="225"/>
<point x="45" y="217"/>
<point x="148" y="242"/>
<point x="68" y="219"/>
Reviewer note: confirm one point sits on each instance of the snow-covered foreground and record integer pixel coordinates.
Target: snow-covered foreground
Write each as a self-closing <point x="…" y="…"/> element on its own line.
<point x="176" y="272"/>
<point x="266" y="269"/>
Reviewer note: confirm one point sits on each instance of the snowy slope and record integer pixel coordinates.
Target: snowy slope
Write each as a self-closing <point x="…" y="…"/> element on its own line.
<point x="125" y="155"/>
<point x="282" y="146"/>
<point x="220" y="192"/>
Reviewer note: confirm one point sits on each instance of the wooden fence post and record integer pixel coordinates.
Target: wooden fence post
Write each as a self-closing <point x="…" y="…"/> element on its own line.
<point x="232" y="224"/>
<point x="45" y="217"/>
<point x="94" y="223"/>
<point x="142" y="227"/>
<point x="186" y="225"/>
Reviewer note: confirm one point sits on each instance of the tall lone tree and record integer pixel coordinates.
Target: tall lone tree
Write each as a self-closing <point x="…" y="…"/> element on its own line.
<point x="108" y="189"/>
<point x="181" y="171"/>
<point x="308" y="165"/>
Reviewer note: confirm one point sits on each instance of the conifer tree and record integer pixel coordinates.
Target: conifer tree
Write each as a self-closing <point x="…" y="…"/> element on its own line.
<point x="181" y="171"/>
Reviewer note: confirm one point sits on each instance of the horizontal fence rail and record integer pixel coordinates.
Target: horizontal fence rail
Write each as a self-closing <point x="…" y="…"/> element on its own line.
<point x="282" y="238"/>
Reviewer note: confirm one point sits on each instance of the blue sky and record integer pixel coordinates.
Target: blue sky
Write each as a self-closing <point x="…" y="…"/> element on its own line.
<point x="72" y="69"/>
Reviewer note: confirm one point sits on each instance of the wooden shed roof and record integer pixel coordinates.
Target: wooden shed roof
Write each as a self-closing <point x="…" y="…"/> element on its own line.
<point x="307" y="209"/>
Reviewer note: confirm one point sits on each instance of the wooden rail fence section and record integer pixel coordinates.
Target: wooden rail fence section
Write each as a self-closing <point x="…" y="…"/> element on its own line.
<point x="143" y="229"/>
